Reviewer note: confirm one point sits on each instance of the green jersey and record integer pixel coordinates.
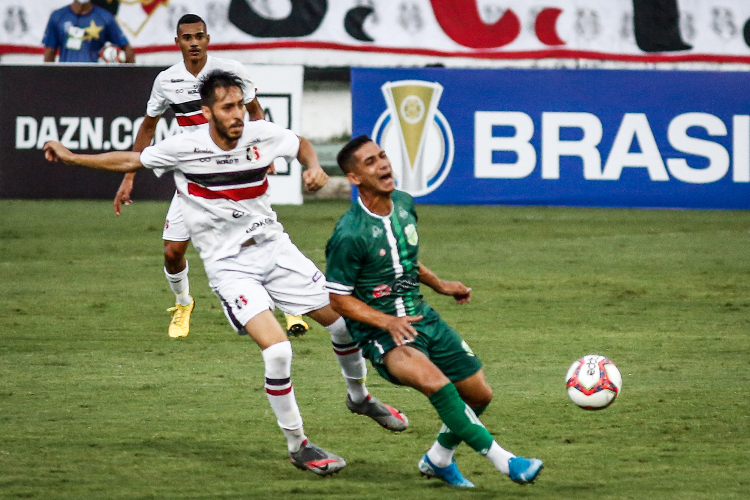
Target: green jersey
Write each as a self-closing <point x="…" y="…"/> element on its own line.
<point x="374" y="258"/>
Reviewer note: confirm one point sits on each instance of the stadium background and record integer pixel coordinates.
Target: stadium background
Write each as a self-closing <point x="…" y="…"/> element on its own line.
<point x="95" y="403"/>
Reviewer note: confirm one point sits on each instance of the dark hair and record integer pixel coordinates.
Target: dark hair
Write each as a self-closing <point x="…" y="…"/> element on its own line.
<point x="345" y="158"/>
<point x="190" y="19"/>
<point x="217" y="79"/>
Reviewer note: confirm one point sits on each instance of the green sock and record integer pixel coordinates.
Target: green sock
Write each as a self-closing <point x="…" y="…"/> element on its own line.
<point x="450" y="439"/>
<point x="460" y="419"/>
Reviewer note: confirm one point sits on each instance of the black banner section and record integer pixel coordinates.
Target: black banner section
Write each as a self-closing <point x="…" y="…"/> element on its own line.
<point x="90" y="110"/>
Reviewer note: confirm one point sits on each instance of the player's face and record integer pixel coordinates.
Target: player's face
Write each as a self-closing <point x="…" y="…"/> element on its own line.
<point x="227" y="114"/>
<point x="192" y="40"/>
<point x="373" y="172"/>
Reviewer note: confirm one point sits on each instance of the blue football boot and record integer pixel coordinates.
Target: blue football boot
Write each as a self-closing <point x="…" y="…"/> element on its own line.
<point x="524" y="470"/>
<point x="450" y="474"/>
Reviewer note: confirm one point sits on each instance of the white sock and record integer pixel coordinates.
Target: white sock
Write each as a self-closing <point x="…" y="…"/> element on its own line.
<point x="499" y="457"/>
<point x="180" y="285"/>
<point x="353" y="366"/>
<point x="440" y="455"/>
<point x="280" y="393"/>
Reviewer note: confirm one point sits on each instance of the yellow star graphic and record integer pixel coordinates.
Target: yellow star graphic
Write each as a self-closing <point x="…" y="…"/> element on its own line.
<point x="92" y="32"/>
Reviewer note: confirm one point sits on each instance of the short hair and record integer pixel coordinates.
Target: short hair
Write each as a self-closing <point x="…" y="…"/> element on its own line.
<point x="190" y="19"/>
<point x="217" y="79"/>
<point x="345" y="158"/>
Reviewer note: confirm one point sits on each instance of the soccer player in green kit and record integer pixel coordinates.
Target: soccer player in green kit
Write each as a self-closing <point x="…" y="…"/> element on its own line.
<point x="373" y="278"/>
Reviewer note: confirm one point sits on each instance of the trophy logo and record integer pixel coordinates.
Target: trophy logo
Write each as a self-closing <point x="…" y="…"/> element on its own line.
<point x="415" y="135"/>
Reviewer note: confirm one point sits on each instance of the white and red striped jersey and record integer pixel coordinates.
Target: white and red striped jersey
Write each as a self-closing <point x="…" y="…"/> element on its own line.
<point x="223" y="193"/>
<point x="177" y="88"/>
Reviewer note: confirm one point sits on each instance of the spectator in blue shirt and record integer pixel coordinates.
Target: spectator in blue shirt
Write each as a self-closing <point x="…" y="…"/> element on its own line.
<point x="79" y="31"/>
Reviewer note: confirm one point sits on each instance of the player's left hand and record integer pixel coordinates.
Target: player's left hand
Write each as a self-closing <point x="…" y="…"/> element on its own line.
<point x="314" y="178"/>
<point x="457" y="290"/>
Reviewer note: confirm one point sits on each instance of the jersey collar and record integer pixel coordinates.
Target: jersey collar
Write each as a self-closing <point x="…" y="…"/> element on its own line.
<point x="371" y="214"/>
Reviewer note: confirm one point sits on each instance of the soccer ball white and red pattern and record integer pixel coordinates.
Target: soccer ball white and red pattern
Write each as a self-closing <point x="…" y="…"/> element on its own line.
<point x="593" y="382"/>
<point x="111" y="54"/>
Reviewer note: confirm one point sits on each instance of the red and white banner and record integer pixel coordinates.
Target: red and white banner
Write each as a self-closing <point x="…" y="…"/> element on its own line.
<point x="452" y="32"/>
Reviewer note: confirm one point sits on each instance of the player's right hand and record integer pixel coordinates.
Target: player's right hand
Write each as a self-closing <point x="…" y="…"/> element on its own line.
<point x="55" y="151"/>
<point x="123" y="193"/>
<point x="401" y="330"/>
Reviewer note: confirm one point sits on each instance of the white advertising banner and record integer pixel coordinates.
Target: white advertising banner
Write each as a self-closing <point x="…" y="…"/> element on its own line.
<point x="379" y="32"/>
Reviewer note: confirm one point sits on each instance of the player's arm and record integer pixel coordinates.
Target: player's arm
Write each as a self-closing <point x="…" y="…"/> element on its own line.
<point x="129" y="53"/>
<point x="255" y="110"/>
<point x="314" y="176"/>
<point x="49" y="54"/>
<point x="399" y="327"/>
<point x="143" y="138"/>
<point x="455" y="289"/>
<point x="114" y="161"/>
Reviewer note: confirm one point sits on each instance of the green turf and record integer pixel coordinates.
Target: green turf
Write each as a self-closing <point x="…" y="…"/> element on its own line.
<point x="97" y="402"/>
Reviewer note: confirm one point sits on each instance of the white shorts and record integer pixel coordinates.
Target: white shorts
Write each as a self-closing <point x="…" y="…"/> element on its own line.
<point x="273" y="272"/>
<point x="174" y="226"/>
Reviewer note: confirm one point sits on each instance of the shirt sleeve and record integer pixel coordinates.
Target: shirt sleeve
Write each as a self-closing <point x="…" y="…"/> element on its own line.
<point x="249" y="85"/>
<point x="343" y="263"/>
<point x="51" y="33"/>
<point x="116" y="36"/>
<point x="157" y="103"/>
<point x="163" y="156"/>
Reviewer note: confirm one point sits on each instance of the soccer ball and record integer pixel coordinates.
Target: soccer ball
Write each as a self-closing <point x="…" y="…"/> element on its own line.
<point x="593" y="382"/>
<point x="112" y="54"/>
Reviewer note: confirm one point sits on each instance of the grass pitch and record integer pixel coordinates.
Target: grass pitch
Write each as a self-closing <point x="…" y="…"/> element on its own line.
<point x="97" y="402"/>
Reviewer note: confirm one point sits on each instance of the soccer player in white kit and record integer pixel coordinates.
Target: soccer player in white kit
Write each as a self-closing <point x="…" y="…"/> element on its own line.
<point x="177" y="88"/>
<point x="251" y="263"/>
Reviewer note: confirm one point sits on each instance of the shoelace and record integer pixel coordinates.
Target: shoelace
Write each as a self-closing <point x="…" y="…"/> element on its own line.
<point x="177" y="317"/>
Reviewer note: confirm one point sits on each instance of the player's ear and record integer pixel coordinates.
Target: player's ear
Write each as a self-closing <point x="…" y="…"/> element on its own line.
<point x="207" y="112"/>
<point x="353" y="178"/>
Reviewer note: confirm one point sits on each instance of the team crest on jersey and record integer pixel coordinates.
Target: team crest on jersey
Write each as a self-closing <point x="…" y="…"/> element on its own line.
<point x="402" y="214"/>
<point x="253" y="153"/>
<point x="376" y="232"/>
<point x="381" y="291"/>
<point x="410" y="232"/>
<point x="415" y="135"/>
<point x="240" y="302"/>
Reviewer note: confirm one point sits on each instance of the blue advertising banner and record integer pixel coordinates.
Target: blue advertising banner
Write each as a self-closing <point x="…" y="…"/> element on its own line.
<point x="596" y="138"/>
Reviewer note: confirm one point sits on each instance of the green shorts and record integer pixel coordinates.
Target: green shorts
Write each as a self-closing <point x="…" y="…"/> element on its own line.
<point x="441" y="343"/>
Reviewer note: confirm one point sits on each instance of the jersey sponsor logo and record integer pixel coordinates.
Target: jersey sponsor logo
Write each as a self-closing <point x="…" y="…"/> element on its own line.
<point x="381" y="291"/>
<point x="205" y="151"/>
<point x="260" y="223"/>
<point x="377" y="232"/>
<point x="405" y="283"/>
<point x="410" y="232"/>
<point x="177" y="80"/>
<point x="227" y="161"/>
<point x="317" y="276"/>
<point x="237" y="214"/>
<point x="415" y="135"/>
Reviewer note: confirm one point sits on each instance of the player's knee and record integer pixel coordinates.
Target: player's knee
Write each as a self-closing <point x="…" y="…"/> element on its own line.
<point x="174" y="254"/>
<point x="483" y="397"/>
<point x="278" y="360"/>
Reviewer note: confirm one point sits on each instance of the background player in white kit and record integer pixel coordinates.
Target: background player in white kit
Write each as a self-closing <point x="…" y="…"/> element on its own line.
<point x="177" y="88"/>
<point x="220" y="173"/>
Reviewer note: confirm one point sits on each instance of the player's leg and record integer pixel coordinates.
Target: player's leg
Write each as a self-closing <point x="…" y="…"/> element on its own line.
<point x="247" y="306"/>
<point x="297" y="287"/>
<point x="354" y="369"/>
<point x="176" y="241"/>
<point x="477" y="393"/>
<point x="413" y="368"/>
